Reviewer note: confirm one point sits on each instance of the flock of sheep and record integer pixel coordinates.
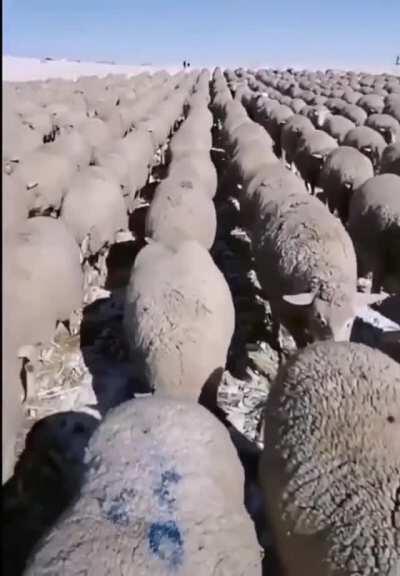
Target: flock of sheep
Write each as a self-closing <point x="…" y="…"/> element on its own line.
<point x="313" y="160"/>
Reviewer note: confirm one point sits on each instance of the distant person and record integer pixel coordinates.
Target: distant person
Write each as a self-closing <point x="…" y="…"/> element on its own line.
<point x="398" y="61"/>
<point x="184" y="64"/>
<point x="188" y="64"/>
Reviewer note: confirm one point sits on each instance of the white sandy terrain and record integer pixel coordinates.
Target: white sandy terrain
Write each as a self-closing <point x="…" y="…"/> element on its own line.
<point x="17" y="69"/>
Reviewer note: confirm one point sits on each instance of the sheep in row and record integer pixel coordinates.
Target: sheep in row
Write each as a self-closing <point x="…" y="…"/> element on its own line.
<point x="307" y="267"/>
<point x="344" y="170"/>
<point x="331" y="462"/>
<point x="390" y="161"/>
<point x="374" y="225"/>
<point x="94" y="209"/>
<point x="179" y="327"/>
<point x="140" y="510"/>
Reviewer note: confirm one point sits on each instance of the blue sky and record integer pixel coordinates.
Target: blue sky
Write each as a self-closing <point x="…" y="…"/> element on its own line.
<point x="226" y="32"/>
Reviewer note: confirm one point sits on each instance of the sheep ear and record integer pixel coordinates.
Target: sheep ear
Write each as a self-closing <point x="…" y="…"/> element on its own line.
<point x="302" y="299"/>
<point x="367" y="149"/>
<point x="317" y="155"/>
<point x="365" y="299"/>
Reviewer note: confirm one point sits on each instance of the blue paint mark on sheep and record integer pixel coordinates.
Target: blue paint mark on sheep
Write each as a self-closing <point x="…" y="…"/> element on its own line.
<point x="169" y="478"/>
<point x="166" y="542"/>
<point x="117" y="509"/>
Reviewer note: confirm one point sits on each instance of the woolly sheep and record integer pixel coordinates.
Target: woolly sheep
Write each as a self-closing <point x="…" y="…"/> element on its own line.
<point x="74" y="146"/>
<point x="18" y="139"/>
<point x="163" y="494"/>
<point x="307" y="266"/>
<point x="368" y="141"/>
<point x="178" y="327"/>
<point x="15" y="203"/>
<point x="12" y="413"/>
<point x="317" y="115"/>
<point x="198" y="166"/>
<point x="390" y="161"/>
<point x="96" y="132"/>
<point x="46" y="176"/>
<point x="374" y="225"/>
<point x="372" y="103"/>
<point x="181" y="211"/>
<point x="354" y="113"/>
<point x="274" y="178"/>
<point x="43" y="123"/>
<point x="246" y="163"/>
<point x="331" y="462"/>
<point x="291" y="134"/>
<point x="336" y="106"/>
<point x="386" y="125"/>
<point x="94" y="208"/>
<point x="392" y="106"/>
<point x="276" y="120"/>
<point x="192" y="138"/>
<point x="43" y="267"/>
<point x="344" y="170"/>
<point x="246" y="132"/>
<point x="338" y="126"/>
<point x="350" y="96"/>
<point x="297" y="105"/>
<point x="311" y="152"/>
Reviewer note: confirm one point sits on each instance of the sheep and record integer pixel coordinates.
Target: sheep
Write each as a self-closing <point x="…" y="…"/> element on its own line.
<point x="317" y="114"/>
<point x="114" y="163"/>
<point x="96" y="132"/>
<point x="46" y="176"/>
<point x="179" y="327"/>
<point x="163" y="494"/>
<point x="263" y="108"/>
<point x="15" y="203"/>
<point x="39" y="291"/>
<point x="74" y="146"/>
<point x="336" y="105"/>
<point x="372" y="103"/>
<point x="374" y="225"/>
<point x="386" y="125"/>
<point x="297" y="105"/>
<point x="273" y="177"/>
<point x="338" y="126"/>
<point x="43" y="123"/>
<point x="199" y="166"/>
<point x="354" y="113"/>
<point x="12" y="413"/>
<point x="94" y="209"/>
<point x="291" y="134"/>
<point x="276" y="120"/>
<point x="311" y="152"/>
<point x="190" y="137"/>
<point x="368" y="141"/>
<point x="350" y="96"/>
<point x="181" y="211"/>
<point x="390" y="161"/>
<point x="137" y="149"/>
<point x="18" y="139"/>
<point x="344" y="170"/>
<point x="392" y="106"/>
<point x="246" y="132"/>
<point x="331" y="463"/>
<point x="246" y="163"/>
<point x="306" y="266"/>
